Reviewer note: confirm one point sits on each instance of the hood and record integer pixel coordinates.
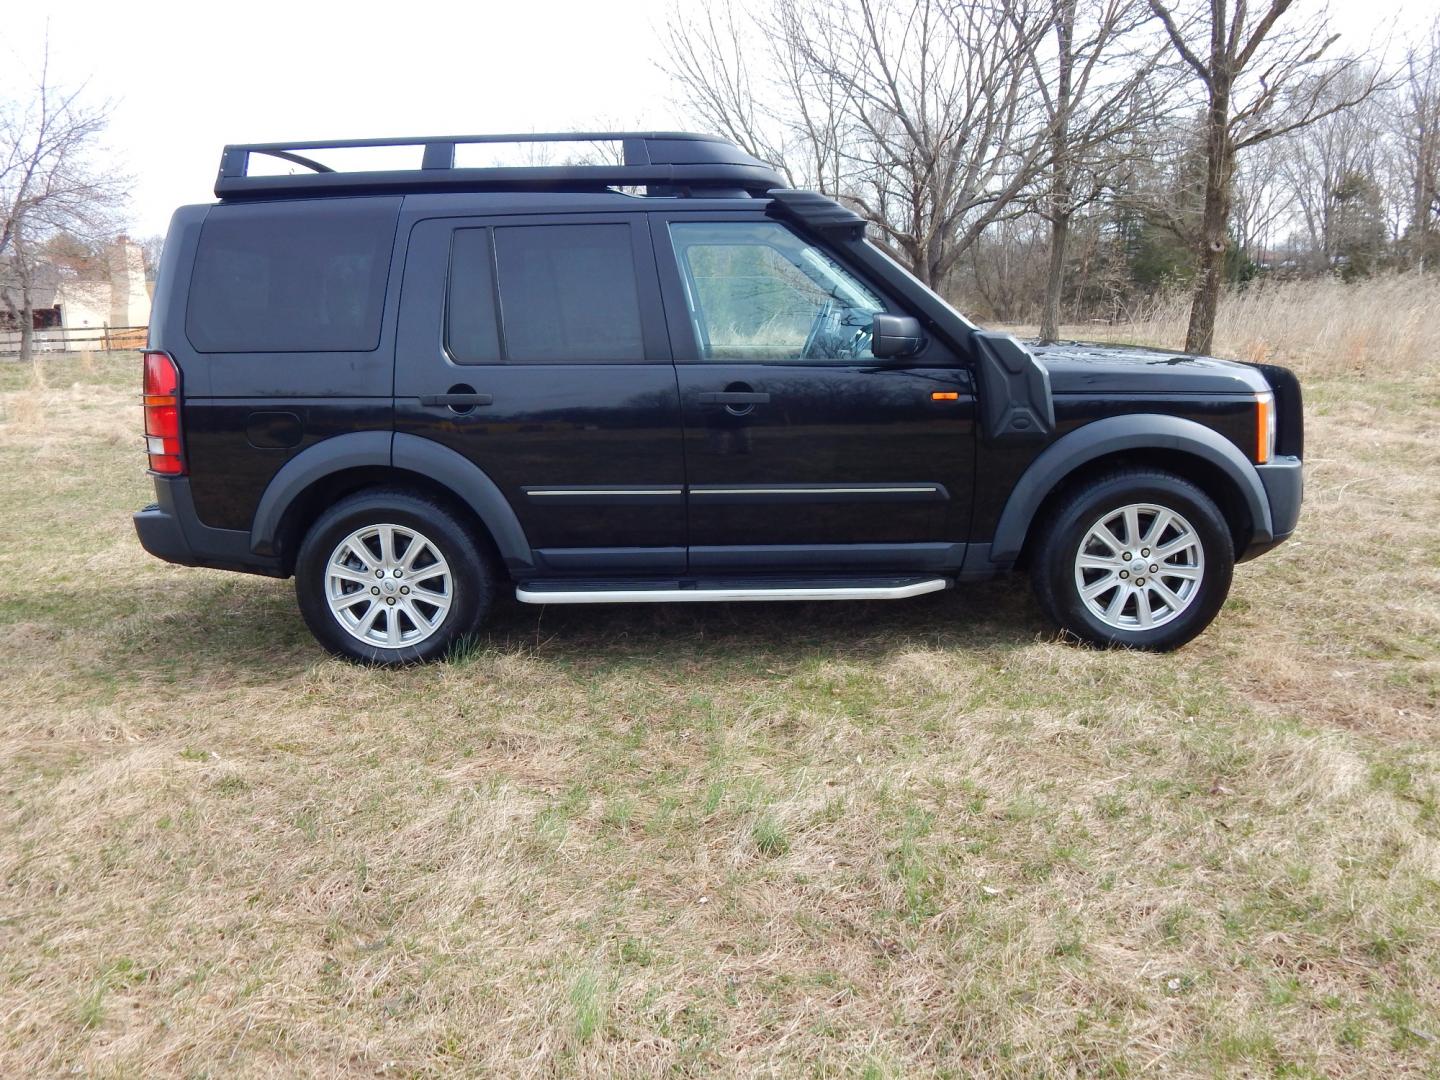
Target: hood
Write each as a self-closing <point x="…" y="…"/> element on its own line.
<point x="1079" y="367"/>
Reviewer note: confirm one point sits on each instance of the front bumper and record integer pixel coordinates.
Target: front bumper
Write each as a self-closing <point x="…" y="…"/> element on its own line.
<point x="170" y="529"/>
<point x="1284" y="483"/>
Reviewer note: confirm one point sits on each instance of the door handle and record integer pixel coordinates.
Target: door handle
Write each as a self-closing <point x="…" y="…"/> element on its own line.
<point x="733" y="397"/>
<point x="456" y="401"/>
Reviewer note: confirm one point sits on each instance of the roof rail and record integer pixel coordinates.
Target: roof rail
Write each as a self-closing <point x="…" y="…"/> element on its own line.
<point x="664" y="162"/>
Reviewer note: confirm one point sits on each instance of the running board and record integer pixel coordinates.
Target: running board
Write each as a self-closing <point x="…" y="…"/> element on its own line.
<point x="713" y="590"/>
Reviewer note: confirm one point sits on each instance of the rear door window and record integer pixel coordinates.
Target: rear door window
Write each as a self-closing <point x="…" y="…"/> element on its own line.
<point x="292" y="277"/>
<point x="565" y="293"/>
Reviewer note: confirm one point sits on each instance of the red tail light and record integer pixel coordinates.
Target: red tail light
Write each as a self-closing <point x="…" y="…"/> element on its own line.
<point x="162" y="414"/>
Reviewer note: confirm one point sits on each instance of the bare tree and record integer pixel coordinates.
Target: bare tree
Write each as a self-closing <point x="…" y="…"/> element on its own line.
<point x="707" y="47"/>
<point x="48" y="183"/>
<point x="1418" y="123"/>
<point x="1263" y="200"/>
<point x="1259" y="82"/>
<point x="1314" y="163"/>
<point x="1093" y="89"/>
<point x="922" y="114"/>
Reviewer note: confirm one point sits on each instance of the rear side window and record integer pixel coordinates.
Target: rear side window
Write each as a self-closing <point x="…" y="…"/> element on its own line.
<point x="566" y="293"/>
<point x="292" y="277"/>
<point x="471" y="329"/>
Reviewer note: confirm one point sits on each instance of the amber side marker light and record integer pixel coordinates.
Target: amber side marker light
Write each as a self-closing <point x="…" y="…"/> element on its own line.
<point x="1264" y="428"/>
<point x="945" y="395"/>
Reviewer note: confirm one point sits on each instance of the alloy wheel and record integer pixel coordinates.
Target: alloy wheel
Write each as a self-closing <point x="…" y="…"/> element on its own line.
<point x="388" y="586"/>
<point x="1139" y="566"/>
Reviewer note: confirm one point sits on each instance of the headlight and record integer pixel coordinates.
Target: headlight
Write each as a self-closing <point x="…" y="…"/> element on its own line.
<point x="1264" y="427"/>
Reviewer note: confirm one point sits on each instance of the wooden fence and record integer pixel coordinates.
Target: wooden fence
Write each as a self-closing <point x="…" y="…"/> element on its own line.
<point x="76" y="339"/>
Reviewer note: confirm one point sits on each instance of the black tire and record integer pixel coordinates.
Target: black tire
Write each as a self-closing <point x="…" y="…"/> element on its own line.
<point x="471" y="583"/>
<point x="1056" y="557"/>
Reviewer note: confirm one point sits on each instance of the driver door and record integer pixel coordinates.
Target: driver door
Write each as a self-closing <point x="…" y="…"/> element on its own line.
<point x="795" y="436"/>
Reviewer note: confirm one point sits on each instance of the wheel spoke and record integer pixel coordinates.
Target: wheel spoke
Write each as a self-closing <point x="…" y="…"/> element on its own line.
<point x="1189" y="573"/>
<point x="407" y="561"/>
<point x="434" y="599"/>
<point x="1172" y="599"/>
<point x="1158" y="527"/>
<point x="1117" y="603"/>
<point x="345" y="573"/>
<point x="361" y="552"/>
<point x="1099" y="588"/>
<point x="1102" y="533"/>
<point x="1132" y="526"/>
<point x="1186" y="539"/>
<point x="1142" y="608"/>
<point x="368" y="622"/>
<point x="392" y="626"/>
<point x="422" y="624"/>
<point x="349" y="600"/>
<point x="1098" y="562"/>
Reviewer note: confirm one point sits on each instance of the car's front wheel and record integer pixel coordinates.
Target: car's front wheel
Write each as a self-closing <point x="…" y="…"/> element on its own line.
<point x="389" y="577"/>
<point x="1137" y="558"/>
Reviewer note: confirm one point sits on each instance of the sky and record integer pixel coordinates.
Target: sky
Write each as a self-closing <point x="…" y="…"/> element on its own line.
<point x="186" y="78"/>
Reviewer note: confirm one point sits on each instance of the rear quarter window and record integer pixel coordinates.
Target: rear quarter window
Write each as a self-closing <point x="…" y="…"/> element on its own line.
<point x="292" y="277"/>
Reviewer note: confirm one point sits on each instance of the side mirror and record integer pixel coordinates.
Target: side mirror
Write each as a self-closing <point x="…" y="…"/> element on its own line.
<point x="895" y="336"/>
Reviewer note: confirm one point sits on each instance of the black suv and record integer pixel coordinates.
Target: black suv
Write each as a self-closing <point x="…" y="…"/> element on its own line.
<point x="671" y="379"/>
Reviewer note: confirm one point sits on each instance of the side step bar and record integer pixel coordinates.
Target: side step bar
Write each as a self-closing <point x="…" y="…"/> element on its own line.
<point x="675" y="592"/>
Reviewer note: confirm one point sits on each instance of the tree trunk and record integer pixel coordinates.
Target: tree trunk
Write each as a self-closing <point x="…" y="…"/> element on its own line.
<point x="27" y="303"/>
<point x="1060" y="209"/>
<point x="27" y="326"/>
<point x="1055" y="283"/>
<point x="1212" y="241"/>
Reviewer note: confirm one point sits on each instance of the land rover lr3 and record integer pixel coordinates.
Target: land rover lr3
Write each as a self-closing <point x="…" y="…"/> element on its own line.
<point x="672" y="379"/>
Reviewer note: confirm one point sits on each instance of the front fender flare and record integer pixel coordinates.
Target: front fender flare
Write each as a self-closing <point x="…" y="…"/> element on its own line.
<point x="1135" y="431"/>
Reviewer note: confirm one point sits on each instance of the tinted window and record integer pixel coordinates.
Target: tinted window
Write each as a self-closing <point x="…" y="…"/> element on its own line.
<point x="471" y="333"/>
<point x="758" y="292"/>
<point x="567" y="292"/>
<point x="292" y="277"/>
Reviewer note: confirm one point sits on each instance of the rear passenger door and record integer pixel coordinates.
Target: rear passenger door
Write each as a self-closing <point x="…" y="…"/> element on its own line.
<point x="536" y="347"/>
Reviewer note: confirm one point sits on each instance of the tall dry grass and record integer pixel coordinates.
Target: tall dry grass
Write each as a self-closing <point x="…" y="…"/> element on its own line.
<point x="1385" y="325"/>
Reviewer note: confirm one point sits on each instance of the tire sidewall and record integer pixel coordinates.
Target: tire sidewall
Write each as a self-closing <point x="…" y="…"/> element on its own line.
<point x="469" y="577"/>
<point x="1075" y="520"/>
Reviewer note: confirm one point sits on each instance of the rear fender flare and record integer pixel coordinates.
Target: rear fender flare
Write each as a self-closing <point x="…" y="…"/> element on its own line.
<point x="470" y="484"/>
<point x="355" y="450"/>
<point x="451" y="470"/>
<point x="1116" y="434"/>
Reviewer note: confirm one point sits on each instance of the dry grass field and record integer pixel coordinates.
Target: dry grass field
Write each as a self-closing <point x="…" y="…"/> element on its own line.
<point x="884" y="840"/>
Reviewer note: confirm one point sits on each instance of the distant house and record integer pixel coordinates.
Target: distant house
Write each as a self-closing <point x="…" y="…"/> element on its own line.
<point x="74" y="302"/>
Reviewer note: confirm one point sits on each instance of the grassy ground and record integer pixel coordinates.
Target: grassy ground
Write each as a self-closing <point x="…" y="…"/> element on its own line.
<point x="871" y="840"/>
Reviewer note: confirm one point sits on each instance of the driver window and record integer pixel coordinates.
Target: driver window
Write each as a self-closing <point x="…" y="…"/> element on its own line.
<point x="758" y="292"/>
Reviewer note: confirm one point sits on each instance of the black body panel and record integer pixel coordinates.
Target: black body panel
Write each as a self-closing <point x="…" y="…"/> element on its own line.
<point x="1078" y="367"/>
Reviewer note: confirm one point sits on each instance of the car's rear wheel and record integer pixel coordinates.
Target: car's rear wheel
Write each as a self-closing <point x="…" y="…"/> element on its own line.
<point x="388" y="577"/>
<point x="1135" y="558"/>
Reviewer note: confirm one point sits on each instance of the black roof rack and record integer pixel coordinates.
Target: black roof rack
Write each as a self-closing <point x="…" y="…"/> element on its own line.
<point x="664" y="162"/>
